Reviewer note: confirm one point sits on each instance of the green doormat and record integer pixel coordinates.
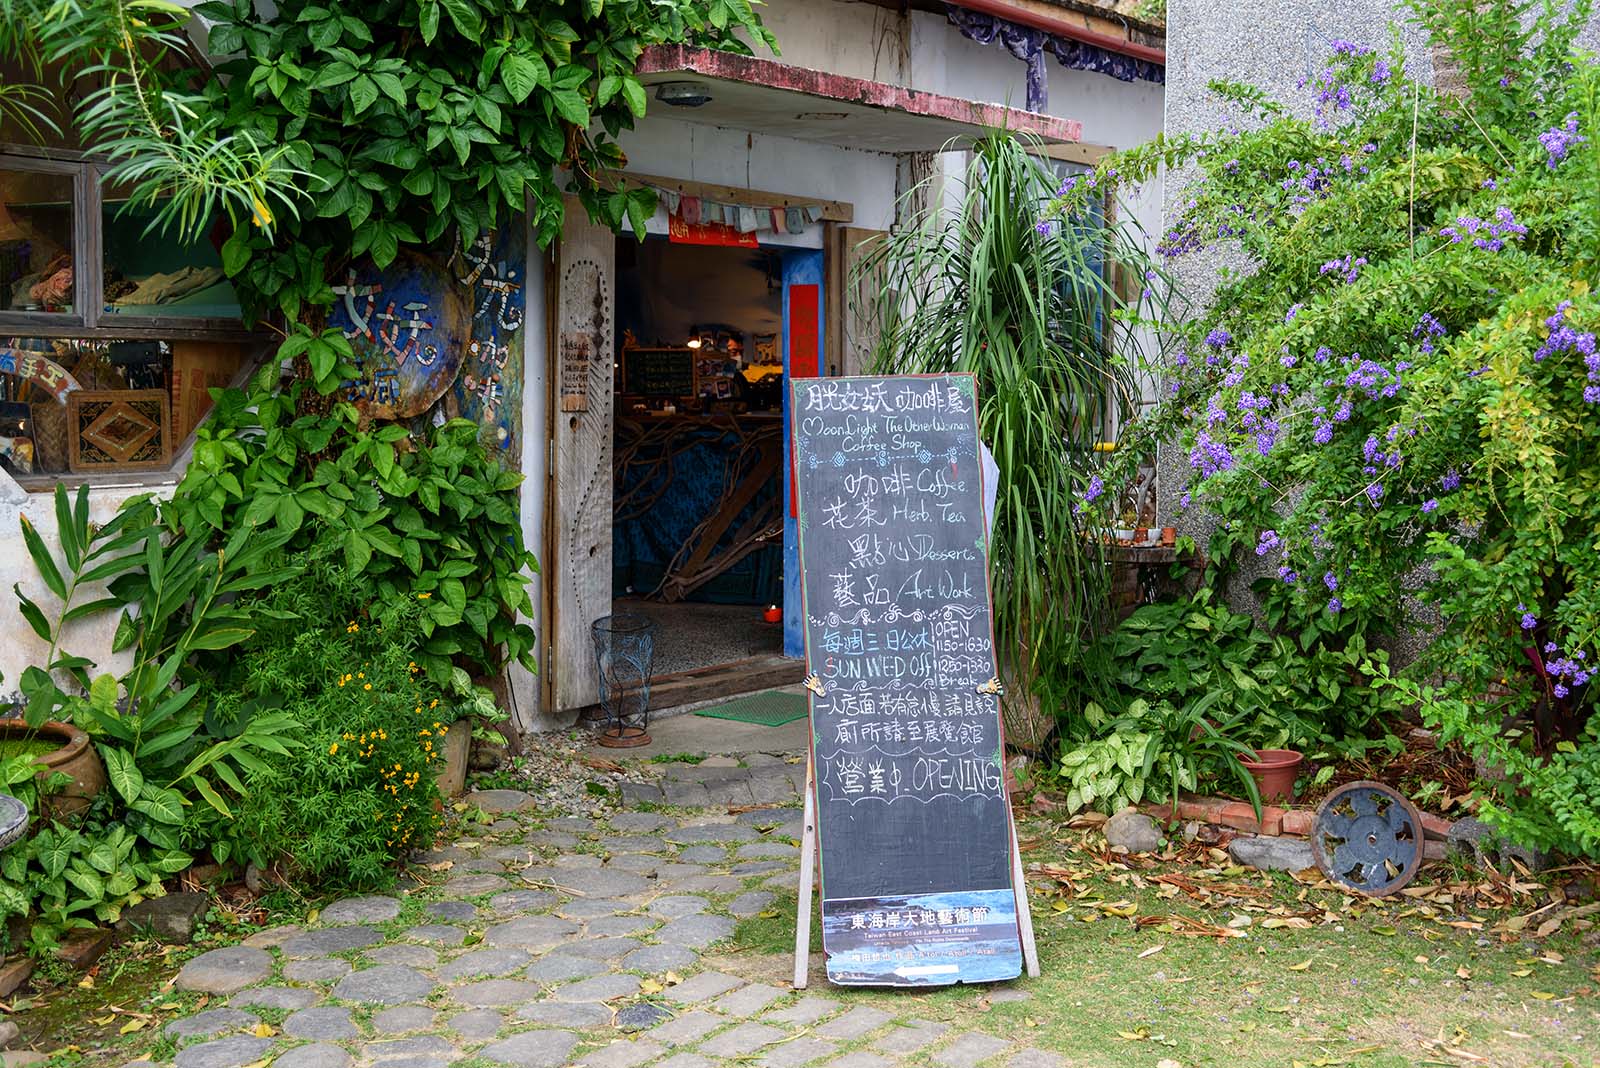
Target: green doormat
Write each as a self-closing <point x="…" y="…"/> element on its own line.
<point x="769" y="708"/>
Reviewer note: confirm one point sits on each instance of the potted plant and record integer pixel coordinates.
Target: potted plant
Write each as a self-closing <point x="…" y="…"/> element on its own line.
<point x="1274" y="772"/>
<point x="70" y="774"/>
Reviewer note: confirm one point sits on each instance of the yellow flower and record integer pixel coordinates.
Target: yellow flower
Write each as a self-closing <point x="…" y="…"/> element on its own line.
<point x="368" y="686"/>
<point x="423" y="596"/>
<point x="332" y="749"/>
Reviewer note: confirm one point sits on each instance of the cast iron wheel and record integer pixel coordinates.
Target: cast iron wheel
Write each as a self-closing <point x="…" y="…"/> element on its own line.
<point x="1367" y="838"/>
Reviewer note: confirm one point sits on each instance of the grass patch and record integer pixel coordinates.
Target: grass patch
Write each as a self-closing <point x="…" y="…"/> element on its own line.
<point x="676" y="758"/>
<point x="1380" y="984"/>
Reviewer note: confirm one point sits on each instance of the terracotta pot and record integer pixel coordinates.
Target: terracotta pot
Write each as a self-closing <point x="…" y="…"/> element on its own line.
<point x="75" y="757"/>
<point x="1274" y="771"/>
<point x="452" y="778"/>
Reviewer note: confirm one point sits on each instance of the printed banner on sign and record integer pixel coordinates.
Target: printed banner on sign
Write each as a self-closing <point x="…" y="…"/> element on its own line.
<point x="912" y="812"/>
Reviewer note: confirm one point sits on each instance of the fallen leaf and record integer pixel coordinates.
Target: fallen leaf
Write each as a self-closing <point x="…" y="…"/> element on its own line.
<point x="1302" y="966"/>
<point x="1029" y="1021"/>
<point x="1134" y="1036"/>
<point x="769" y="914"/>
<point x="311" y="917"/>
<point x="1168" y="1062"/>
<point x="1152" y="951"/>
<point x="1463" y="973"/>
<point x="87" y="982"/>
<point x="1385" y="931"/>
<point x="650" y="986"/>
<point x="1272" y="923"/>
<point x="672" y="978"/>
<point x="1542" y="995"/>
<point x="263" y="1030"/>
<point x="1515" y="1034"/>
<point x="103" y="1020"/>
<point x="130" y="1027"/>
<point x="1522" y="973"/>
<point x="1420" y="958"/>
<point x="1248" y="1026"/>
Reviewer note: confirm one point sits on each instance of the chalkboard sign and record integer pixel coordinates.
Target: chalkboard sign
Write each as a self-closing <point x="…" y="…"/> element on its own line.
<point x="658" y="372"/>
<point x="912" y="812"/>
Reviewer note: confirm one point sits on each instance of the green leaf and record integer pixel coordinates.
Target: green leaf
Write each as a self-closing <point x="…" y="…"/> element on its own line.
<point x="32" y="613"/>
<point x="211" y="796"/>
<point x="363" y="92"/>
<point x="220" y="638"/>
<point x="428" y="20"/>
<point x="42" y="560"/>
<point x="464" y="14"/>
<point x="521" y="75"/>
<point x="160" y="804"/>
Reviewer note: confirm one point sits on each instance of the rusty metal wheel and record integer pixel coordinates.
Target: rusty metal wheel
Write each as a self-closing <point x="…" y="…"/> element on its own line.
<point x="1368" y="838"/>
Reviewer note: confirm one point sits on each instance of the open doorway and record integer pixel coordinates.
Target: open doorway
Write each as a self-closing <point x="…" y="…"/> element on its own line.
<point x="698" y="447"/>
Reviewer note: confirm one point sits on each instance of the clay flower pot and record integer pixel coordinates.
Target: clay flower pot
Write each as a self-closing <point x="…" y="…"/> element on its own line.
<point x="75" y="756"/>
<point x="1274" y="771"/>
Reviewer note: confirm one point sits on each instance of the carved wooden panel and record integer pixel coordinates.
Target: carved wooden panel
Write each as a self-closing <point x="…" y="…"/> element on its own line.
<point x="583" y="351"/>
<point x="121" y="429"/>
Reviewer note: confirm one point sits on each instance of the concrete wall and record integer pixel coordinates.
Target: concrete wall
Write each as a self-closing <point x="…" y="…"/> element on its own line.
<point x="20" y="647"/>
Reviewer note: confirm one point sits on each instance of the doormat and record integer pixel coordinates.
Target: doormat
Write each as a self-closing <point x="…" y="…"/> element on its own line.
<point x="769" y="708"/>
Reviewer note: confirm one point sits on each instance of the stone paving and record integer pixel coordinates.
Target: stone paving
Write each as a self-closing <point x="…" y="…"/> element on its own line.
<point x="564" y="941"/>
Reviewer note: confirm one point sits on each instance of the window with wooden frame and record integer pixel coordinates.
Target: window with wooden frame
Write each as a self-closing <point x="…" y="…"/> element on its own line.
<point x="112" y="334"/>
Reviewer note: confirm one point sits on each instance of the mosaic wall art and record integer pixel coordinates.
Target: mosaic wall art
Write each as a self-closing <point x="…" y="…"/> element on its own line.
<point x="439" y="335"/>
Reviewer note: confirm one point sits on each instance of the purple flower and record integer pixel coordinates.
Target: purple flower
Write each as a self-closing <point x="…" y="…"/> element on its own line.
<point x="1558" y="140"/>
<point x="1349" y="267"/>
<point x="1210" y="457"/>
<point x="1451" y="480"/>
<point x="1294" y="309"/>
<point x="1045" y="227"/>
<point x="1269" y="541"/>
<point x="1559" y="690"/>
<point x="1218" y="338"/>
<point x="1430" y="505"/>
<point x="1375" y="493"/>
<point x="1529" y="620"/>
<point x="1330" y="580"/>
<point x="1380" y="73"/>
<point x="1335" y="605"/>
<point x="1094" y="489"/>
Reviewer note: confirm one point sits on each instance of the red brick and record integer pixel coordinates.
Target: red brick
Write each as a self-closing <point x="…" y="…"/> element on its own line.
<point x="13" y="973"/>
<point x="1240" y="816"/>
<point x="1298" y="822"/>
<point x="84" y="948"/>
<point x="1436" y="826"/>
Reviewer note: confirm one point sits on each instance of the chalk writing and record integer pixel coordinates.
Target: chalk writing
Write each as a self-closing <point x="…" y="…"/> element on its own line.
<point x="899" y="638"/>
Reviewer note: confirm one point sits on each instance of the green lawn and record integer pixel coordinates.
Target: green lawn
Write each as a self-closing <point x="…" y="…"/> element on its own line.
<point x="1309" y="976"/>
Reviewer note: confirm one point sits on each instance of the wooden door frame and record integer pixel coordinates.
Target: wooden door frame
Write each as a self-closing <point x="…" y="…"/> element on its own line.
<point x="835" y="214"/>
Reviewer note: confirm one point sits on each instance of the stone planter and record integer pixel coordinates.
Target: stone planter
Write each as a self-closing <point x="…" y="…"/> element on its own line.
<point x="452" y="778"/>
<point x="75" y="757"/>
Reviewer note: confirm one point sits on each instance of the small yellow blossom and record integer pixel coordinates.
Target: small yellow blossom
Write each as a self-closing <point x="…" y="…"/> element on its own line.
<point x="332" y="749"/>
<point x="423" y="596"/>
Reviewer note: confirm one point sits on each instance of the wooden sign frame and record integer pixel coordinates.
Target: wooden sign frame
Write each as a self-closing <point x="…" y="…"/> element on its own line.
<point x="115" y="399"/>
<point x="810" y="837"/>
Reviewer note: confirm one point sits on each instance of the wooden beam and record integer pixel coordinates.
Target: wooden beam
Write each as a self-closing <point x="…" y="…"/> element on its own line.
<point x="1076" y="152"/>
<point x="832" y="210"/>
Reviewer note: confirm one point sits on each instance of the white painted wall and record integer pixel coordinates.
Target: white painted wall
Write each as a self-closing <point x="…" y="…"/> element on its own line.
<point x="20" y="647"/>
<point x="669" y="147"/>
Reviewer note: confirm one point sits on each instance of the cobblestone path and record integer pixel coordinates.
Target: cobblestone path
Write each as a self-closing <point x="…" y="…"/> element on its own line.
<point x="542" y="943"/>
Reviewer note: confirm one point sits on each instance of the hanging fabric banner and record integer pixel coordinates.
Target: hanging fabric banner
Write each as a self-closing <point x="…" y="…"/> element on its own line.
<point x="682" y="232"/>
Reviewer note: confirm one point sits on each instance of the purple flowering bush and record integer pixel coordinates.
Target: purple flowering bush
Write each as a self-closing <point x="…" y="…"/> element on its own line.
<point x="1400" y="402"/>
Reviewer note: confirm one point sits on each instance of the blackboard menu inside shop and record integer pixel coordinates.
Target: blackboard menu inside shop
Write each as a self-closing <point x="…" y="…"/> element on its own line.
<point x="658" y="372"/>
<point x="911" y="801"/>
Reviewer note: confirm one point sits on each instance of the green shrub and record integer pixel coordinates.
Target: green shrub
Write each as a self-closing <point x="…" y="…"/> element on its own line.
<point x="362" y="790"/>
<point x="1276" y="691"/>
<point x="1398" y="401"/>
<point x="434" y="518"/>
